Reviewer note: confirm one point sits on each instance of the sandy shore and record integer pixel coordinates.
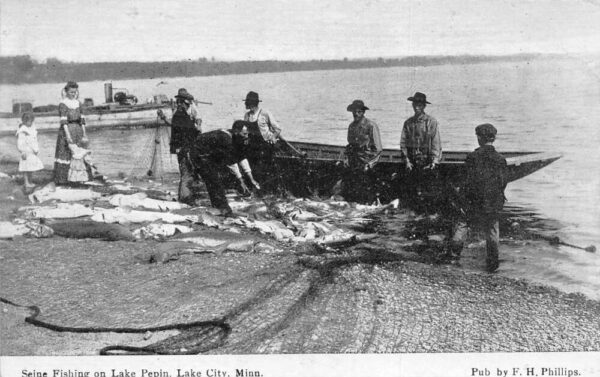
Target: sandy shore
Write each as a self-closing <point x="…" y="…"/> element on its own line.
<point x="366" y="298"/>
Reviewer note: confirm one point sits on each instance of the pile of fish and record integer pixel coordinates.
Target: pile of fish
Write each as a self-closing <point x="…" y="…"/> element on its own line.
<point x="125" y="212"/>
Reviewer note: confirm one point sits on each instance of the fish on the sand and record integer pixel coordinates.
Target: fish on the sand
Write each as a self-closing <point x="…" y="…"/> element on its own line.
<point x="219" y="241"/>
<point x="62" y="194"/>
<point x="141" y="200"/>
<point x="125" y="215"/>
<point x="273" y="227"/>
<point x="159" y="231"/>
<point x="57" y="211"/>
<point x="91" y="229"/>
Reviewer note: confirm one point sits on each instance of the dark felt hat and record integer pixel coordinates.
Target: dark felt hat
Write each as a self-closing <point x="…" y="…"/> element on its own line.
<point x="487" y="131"/>
<point x="419" y="98"/>
<point x="183" y="94"/>
<point x="357" y="104"/>
<point x="252" y="97"/>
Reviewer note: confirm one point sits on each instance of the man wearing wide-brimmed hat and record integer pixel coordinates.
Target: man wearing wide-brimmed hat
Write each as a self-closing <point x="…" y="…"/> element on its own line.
<point x="363" y="151"/>
<point x="364" y="140"/>
<point x="185" y="127"/>
<point x="264" y="135"/>
<point x="269" y="128"/>
<point x="421" y="149"/>
<point x="420" y="141"/>
<point x="186" y="122"/>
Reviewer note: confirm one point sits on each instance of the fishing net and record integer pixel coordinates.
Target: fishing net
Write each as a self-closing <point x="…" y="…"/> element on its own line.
<point x="154" y="160"/>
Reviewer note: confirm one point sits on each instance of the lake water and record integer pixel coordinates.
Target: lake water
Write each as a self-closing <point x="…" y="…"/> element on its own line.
<point x="538" y="105"/>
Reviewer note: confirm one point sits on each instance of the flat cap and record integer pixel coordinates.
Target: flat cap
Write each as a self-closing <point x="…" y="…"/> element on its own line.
<point x="486" y="130"/>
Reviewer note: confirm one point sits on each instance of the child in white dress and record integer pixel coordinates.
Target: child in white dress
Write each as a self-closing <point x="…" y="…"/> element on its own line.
<point x="80" y="158"/>
<point x="27" y="144"/>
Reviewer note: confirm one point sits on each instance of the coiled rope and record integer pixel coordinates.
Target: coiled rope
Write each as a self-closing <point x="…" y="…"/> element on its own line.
<point x="218" y="330"/>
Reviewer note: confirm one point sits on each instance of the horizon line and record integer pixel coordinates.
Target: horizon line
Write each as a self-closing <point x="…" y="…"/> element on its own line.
<point x="216" y="60"/>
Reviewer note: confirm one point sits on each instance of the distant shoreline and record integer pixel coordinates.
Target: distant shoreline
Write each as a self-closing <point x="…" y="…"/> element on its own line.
<point x="25" y="70"/>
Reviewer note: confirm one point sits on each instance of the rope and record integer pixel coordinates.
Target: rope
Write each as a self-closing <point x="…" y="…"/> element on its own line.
<point x="219" y="326"/>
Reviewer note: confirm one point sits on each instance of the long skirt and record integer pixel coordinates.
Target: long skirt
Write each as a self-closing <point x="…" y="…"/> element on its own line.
<point x="62" y="155"/>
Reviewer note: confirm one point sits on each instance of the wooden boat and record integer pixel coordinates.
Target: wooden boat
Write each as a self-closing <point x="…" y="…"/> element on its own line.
<point x="520" y="164"/>
<point x="322" y="167"/>
<point x="120" y="110"/>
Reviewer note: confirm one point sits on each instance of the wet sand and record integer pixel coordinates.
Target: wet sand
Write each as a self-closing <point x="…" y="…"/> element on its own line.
<point x="370" y="297"/>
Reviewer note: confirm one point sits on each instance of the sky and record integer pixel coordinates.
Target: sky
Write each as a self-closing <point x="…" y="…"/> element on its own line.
<point x="162" y="30"/>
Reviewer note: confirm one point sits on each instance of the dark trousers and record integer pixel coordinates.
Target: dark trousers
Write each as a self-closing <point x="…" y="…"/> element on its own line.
<point x="418" y="188"/>
<point x="266" y="171"/>
<point x="420" y="181"/>
<point x="488" y="224"/>
<point x="359" y="185"/>
<point x="209" y="171"/>
<point x="188" y="182"/>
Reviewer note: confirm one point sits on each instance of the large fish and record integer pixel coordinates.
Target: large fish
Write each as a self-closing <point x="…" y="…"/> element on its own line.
<point x="125" y="215"/>
<point x="58" y="211"/>
<point x="62" y="194"/>
<point x="343" y="239"/>
<point x="219" y="241"/>
<point x="141" y="200"/>
<point x="169" y="251"/>
<point x="273" y="227"/>
<point x="91" y="229"/>
<point x="160" y="231"/>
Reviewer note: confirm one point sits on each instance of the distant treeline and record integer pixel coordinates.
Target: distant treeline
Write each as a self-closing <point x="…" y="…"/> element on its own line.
<point x="25" y="70"/>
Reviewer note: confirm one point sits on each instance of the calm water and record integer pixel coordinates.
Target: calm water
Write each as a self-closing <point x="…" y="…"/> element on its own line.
<point x="536" y="106"/>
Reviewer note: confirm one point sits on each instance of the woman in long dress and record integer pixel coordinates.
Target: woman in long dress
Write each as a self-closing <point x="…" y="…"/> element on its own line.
<point x="71" y="133"/>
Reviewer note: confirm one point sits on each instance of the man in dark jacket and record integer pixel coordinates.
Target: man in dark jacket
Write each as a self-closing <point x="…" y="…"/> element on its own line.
<point x="212" y="153"/>
<point x="185" y="127"/>
<point x="483" y="192"/>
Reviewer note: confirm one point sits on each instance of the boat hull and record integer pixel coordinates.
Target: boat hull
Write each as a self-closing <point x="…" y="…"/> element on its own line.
<point x="320" y="172"/>
<point x="99" y="117"/>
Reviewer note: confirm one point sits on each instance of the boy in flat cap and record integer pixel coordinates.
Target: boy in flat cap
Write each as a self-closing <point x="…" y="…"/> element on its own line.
<point x="484" y="193"/>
